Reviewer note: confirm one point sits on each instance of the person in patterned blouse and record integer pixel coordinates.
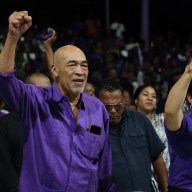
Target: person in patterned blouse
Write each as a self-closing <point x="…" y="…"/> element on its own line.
<point x="146" y="98"/>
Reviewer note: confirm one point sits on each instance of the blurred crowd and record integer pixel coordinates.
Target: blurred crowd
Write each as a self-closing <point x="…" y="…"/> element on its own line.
<point x="114" y="54"/>
<point x="125" y="72"/>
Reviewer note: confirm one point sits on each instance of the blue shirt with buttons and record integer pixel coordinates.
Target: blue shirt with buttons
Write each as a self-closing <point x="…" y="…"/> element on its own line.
<point x="135" y="145"/>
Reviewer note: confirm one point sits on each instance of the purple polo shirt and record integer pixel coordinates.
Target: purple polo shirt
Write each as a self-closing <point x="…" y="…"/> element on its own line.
<point x="59" y="154"/>
<point x="180" y="149"/>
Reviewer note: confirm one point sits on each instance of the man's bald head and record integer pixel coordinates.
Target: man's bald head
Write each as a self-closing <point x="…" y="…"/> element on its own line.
<point x="68" y="52"/>
<point x="38" y="79"/>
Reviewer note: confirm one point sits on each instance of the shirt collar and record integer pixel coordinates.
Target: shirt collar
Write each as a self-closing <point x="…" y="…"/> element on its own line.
<point x="82" y="103"/>
<point x="58" y="96"/>
<point x="56" y="93"/>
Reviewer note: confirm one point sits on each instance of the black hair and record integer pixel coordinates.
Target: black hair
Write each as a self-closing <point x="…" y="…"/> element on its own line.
<point x="128" y="86"/>
<point x="189" y="92"/>
<point x="140" y="89"/>
<point x="108" y="85"/>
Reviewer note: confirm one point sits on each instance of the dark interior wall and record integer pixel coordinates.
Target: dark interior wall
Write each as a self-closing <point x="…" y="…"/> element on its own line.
<point x="164" y="14"/>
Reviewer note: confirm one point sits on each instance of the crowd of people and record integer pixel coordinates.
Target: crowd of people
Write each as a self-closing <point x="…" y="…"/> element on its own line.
<point x="127" y="59"/>
<point x="84" y="113"/>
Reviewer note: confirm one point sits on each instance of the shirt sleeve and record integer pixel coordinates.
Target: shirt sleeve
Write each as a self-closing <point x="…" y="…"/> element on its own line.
<point x="105" y="164"/>
<point x="12" y="88"/>
<point x="185" y="129"/>
<point x="16" y="94"/>
<point x="156" y="146"/>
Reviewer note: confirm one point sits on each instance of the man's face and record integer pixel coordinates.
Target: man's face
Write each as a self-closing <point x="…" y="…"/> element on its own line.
<point x="127" y="99"/>
<point x="114" y="104"/>
<point x="72" y="72"/>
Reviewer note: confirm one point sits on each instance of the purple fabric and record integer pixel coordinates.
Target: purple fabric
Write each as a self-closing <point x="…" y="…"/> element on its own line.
<point x="1" y="113"/>
<point x="59" y="154"/>
<point x="180" y="149"/>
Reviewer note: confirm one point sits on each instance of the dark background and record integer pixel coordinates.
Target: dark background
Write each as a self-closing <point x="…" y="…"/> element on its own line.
<point x="164" y="15"/>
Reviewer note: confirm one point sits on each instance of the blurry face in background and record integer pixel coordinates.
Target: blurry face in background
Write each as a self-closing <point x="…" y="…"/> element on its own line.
<point x="41" y="81"/>
<point x="147" y="100"/>
<point x="114" y="104"/>
<point x="128" y="101"/>
<point x="89" y="89"/>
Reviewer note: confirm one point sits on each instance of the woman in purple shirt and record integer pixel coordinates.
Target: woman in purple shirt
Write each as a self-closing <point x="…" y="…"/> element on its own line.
<point x="179" y="134"/>
<point x="65" y="131"/>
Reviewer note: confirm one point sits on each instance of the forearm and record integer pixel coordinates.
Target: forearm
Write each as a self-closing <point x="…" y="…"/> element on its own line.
<point x="175" y="100"/>
<point x="49" y="57"/>
<point x="49" y="51"/>
<point x="19" y="22"/>
<point x="7" y="55"/>
<point x="177" y="94"/>
<point x="161" y="172"/>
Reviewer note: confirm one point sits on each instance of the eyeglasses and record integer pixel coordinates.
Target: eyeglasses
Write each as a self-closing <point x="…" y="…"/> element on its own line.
<point x="117" y="106"/>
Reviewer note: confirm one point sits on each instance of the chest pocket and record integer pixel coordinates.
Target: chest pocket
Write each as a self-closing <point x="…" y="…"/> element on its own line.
<point x="137" y="137"/>
<point x="90" y="145"/>
<point x="54" y="132"/>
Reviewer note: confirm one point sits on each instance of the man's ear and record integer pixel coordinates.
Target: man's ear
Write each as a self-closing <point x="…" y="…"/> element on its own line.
<point x="54" y="71"/>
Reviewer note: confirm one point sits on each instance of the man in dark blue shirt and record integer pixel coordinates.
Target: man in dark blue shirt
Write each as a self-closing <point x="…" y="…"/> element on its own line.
<point x="135" y="144"/>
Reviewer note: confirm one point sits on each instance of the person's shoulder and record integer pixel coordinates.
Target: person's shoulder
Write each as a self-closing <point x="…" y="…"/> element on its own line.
<point x="88" y="99"/>
<point x="134" y="113"/>
<point x="40" y="92"/>
<point x="92" y="102"/>
<point x="138" y="116"/>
